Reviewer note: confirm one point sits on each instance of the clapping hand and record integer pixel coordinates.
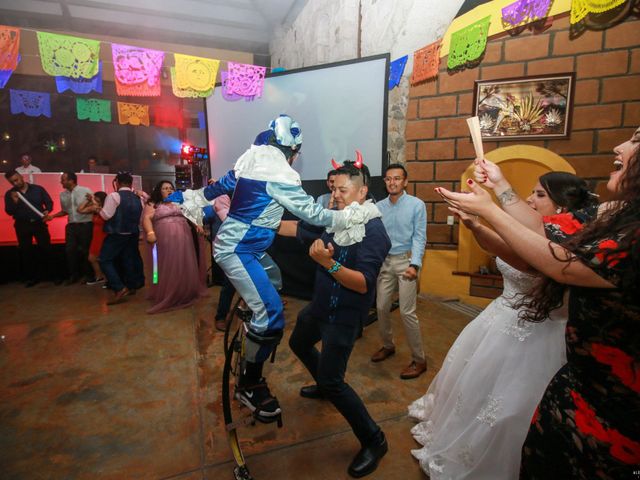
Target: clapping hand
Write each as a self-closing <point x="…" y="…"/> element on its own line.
<point x="476" y="202"/>
<point x="469" y="221"/>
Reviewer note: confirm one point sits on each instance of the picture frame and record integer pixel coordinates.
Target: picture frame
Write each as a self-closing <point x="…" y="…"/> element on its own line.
<point x="532" y="108"/>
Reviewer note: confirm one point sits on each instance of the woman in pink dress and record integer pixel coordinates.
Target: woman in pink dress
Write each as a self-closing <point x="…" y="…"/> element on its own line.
<point x="181" y="272"/>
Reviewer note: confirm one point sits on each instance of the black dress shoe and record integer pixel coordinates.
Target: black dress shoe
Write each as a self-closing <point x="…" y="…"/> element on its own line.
<point x="311" y="391"/>
<point x="366" y="461"/>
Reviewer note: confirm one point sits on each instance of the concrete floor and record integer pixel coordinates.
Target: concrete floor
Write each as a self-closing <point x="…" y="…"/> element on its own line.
<point x="89" y="391"/>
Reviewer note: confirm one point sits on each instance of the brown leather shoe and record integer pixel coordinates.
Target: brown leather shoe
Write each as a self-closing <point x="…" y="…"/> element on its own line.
<point x="414" y="370"/>
<point x="119" y="297"/>
<point x="382" y="354"/>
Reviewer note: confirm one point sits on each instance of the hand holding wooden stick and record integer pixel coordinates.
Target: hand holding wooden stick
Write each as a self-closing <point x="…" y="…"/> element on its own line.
<point x="476" y="135"/>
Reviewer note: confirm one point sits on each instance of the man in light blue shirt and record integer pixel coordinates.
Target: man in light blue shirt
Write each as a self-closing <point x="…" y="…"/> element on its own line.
<point x="326" y="197"/>
<point x="405" y="218"/>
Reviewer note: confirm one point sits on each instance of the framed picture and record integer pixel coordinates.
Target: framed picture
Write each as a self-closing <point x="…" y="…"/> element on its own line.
<point x="525" y="108"/>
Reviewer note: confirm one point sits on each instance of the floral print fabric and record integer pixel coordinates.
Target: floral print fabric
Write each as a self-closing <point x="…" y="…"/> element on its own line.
<point x="588" y="422"/>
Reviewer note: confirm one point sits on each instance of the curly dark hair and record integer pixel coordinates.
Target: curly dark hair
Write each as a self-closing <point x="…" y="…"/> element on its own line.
<point x="156" y="195"/>
<point x="621" y="221"/>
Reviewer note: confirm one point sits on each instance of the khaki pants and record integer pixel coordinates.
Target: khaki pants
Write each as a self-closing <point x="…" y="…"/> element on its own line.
<point x="389" y="280"/>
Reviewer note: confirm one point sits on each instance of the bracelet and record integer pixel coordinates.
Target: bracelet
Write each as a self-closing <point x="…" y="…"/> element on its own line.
<point x="334" y="268"/>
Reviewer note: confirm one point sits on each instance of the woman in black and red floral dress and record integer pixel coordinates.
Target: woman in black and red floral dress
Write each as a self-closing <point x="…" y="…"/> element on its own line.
<point x="588" y="423"/>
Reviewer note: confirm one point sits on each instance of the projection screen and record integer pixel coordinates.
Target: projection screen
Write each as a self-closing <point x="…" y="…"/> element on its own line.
<point x="340" y="107"/>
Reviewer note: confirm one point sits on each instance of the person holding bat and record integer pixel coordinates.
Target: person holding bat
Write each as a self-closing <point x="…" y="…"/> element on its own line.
<point x="29" y="204"/>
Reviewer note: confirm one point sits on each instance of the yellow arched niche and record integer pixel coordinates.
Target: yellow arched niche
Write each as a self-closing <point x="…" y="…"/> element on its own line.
<point x="522" y="165"/>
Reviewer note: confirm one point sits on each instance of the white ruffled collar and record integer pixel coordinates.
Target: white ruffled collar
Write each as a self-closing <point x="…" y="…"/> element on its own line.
<point x="357" y="216"/>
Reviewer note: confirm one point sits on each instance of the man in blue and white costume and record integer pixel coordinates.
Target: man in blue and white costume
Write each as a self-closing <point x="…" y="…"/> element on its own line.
<point x="261" y="185"/>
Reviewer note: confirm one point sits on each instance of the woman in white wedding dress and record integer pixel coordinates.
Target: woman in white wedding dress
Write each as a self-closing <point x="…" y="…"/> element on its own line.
<point x="476" y="413"/>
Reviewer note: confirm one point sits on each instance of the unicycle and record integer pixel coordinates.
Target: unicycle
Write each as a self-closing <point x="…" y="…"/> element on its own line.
<point x="237" y="326"/>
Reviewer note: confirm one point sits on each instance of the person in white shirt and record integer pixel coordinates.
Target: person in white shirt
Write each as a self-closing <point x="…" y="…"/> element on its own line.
<point x="79" y="227"/>
<point x="120" y="259"/>
<point x="26" y="167"/>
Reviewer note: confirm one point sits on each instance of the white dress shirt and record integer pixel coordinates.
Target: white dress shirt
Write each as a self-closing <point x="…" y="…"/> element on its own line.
<point x="30" y="169"/>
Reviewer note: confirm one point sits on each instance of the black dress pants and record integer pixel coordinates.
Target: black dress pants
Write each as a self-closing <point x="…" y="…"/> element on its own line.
<point x="35" y="260"/>
<point x="77" y="241"/>
<point x="329" y="366"/>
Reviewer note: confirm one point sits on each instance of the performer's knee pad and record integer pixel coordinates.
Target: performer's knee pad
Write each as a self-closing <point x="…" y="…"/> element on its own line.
<point x="258" y="346"/>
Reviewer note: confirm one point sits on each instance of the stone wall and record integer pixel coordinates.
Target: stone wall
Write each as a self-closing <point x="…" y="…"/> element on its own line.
<point x="328" y="31"/>
<point x="606" y="108"/>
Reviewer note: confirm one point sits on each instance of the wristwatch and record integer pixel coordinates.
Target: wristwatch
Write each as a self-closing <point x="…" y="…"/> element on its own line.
<point x="417" y="267"/>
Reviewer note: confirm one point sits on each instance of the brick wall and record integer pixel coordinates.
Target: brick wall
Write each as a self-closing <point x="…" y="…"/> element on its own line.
<point x="606" y="108"/>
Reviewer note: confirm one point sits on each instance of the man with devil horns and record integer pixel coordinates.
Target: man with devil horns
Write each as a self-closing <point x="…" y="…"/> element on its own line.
<point x="345" y="282"/>
<point x="261" y="185"/>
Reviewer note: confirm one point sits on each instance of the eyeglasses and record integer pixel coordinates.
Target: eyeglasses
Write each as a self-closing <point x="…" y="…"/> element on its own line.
<point x="395" y="179"/>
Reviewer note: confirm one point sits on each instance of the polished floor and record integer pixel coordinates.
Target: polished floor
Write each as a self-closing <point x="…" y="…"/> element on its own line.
<point x="89" y="391"/>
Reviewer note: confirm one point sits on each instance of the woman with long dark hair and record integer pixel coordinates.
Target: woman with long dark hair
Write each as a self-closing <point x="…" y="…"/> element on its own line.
<point x="588" y="422"/>
<point x="476" y="412"/>
<point x="180" y="277"/>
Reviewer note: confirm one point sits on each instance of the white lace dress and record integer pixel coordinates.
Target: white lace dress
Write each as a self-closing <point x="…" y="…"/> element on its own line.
<point x="476" y="413"/>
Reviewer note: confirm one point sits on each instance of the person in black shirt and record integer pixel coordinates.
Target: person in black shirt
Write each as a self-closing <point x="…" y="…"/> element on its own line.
<point x="344" y="290"/>
<point x="29" y="224"/>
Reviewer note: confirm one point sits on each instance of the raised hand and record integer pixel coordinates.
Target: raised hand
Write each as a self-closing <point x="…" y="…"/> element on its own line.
<point x="488" y="173"/>
<point x="332" y="200"/>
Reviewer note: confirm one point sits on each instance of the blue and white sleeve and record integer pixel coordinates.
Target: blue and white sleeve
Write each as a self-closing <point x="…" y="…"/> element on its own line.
<point x="225" y="185"/>
<point x="303" y="206"/>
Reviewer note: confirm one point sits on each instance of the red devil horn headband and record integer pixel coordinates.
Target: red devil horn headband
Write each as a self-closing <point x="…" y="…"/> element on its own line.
<point x="358" y="163"/>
